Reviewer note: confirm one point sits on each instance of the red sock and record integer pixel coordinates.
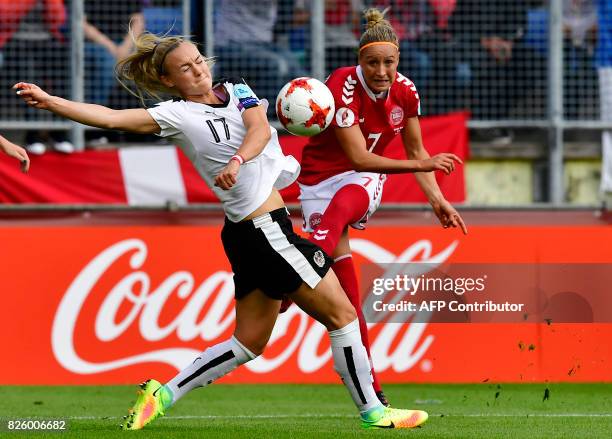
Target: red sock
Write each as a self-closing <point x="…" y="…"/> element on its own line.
<point x="345" y="271"/>
<point x="349" y="205"/>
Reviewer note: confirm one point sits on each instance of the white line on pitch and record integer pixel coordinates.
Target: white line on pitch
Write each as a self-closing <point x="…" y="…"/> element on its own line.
<point x="281" y="416"/>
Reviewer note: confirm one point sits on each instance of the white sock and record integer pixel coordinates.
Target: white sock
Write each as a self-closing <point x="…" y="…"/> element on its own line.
<point x="352" y="364"/>
<point x="213" y="363"/>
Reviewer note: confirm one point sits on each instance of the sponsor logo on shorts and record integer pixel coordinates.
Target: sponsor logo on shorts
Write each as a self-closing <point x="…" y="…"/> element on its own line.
<point x="345" y="117"/>
<point x="396" y="115"/>
<point x="319" y="258"/>
<point x="315" y="220"/>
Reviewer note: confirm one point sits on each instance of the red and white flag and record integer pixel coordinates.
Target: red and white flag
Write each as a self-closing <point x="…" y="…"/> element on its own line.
<point x="156" y="175"/>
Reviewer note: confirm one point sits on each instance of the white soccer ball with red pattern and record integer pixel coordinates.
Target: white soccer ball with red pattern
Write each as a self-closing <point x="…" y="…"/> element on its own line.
<point x="305" y="106"/>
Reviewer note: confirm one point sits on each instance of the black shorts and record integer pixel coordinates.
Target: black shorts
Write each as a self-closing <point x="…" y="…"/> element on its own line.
<point x="266" y="253"/>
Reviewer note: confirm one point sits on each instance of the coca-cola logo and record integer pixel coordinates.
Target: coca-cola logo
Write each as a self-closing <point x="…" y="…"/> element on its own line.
<point x="215" y="294"/>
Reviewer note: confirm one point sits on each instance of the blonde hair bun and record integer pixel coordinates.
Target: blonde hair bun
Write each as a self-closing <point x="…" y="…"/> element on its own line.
<point x="374" y="16"/>
<point x="378" y="29"/>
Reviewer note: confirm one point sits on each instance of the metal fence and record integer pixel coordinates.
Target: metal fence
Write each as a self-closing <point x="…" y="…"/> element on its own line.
<point x="512" y="63"/>
<point x="70" y="48"/>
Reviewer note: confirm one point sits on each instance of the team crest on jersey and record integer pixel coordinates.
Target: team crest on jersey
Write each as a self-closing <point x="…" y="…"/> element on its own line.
<point x="315" y="220"/>
<point x="319" y="258"/>
<point x="397" y="115"/>
<point x="345" y="117"/>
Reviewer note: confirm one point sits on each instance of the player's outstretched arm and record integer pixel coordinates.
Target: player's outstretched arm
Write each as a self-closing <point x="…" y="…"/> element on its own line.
<point x="363" y="160"/>
<point x="413" y="144"/>
<point x="136" y="120"/>
<point x="15" y="151"/>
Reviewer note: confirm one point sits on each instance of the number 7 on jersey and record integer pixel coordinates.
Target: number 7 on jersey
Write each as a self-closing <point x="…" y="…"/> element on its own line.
<point x="376" y="137"/>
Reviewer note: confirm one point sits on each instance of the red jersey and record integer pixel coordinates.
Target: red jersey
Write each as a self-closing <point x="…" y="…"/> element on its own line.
<point x="380" y="120"/>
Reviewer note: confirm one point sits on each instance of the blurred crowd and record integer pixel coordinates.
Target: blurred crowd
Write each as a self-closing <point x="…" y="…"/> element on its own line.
<point x="487" y="56"/>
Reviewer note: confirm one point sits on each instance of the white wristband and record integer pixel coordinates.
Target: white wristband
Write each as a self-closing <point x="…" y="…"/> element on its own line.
<point x="238" y="158"/>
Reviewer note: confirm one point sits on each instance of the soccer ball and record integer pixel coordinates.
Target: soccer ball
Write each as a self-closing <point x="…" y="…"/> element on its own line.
<point x="305" y="106"/>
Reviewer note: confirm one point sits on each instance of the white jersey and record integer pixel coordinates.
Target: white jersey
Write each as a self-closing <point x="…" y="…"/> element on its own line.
<point x="210" y="134"/>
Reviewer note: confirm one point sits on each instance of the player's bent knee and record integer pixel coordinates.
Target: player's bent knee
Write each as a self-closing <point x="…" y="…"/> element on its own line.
<point x="338" y="311"/>
<point x="251" y="347"/>
<point x="340" y="317"/>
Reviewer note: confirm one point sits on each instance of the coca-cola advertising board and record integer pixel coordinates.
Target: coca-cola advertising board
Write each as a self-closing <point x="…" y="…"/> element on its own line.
<point x="120" y="300"/>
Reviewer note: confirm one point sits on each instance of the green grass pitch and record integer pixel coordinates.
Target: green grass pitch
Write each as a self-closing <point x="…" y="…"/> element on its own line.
<point x="320" y="411"/>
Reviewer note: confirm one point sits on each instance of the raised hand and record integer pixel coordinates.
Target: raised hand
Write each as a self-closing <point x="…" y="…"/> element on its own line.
<point x="33" y="95"/>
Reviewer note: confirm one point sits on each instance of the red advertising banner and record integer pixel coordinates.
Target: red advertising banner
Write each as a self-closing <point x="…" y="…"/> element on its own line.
<point x="88" y="303"/>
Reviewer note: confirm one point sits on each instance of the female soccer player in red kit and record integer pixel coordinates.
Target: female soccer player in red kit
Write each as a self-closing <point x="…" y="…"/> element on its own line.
<point x="343" y="168"/>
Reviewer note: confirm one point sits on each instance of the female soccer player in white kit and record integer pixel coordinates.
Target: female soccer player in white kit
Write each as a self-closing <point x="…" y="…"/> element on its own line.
<point x="223" y="129"/>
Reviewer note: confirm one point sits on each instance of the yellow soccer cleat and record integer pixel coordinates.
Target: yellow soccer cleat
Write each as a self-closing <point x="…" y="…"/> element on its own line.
<point x="148" y="407"/>
<point x="397" y="418"/>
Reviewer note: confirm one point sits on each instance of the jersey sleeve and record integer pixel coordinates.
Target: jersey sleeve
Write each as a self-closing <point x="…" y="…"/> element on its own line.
<point x="242" y="95"/>
<point x="169" y="117"/>
<point x="412" y="101"/>
<point x="342" y="83"/>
